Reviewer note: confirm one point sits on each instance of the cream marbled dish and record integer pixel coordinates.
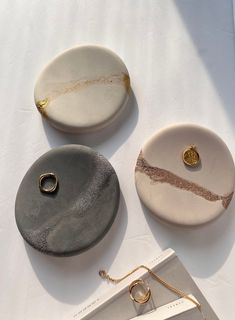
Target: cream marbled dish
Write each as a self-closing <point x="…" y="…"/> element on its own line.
<point x="82" y="89"/>
<point x="177" y="193"/>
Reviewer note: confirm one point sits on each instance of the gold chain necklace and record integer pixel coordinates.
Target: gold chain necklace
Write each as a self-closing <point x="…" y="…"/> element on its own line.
<point x="104" y="275"/>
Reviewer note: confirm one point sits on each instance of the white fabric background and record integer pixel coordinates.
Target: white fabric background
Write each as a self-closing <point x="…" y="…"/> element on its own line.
<point x="181" y="59"/>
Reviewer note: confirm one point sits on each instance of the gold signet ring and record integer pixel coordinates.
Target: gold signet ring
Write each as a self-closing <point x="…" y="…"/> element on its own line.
<point x="49" y="179"/>
<point x="191" y="157"/>
<point x="138" y="297"/>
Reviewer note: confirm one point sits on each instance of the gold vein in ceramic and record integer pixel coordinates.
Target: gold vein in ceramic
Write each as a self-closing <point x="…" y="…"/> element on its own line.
<point x="73" y="86"/>
<point x="164" y="176"/>
<point x="41" y="105"/>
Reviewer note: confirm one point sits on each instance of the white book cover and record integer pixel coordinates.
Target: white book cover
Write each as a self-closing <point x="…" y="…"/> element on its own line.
<point x="180" y="309"/>
<point x="117" y="305"/>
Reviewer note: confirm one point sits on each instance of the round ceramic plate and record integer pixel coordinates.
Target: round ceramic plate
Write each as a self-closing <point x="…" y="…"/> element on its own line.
<point x="82" y="89"/>
<point x="79" y="212"/>
<point x="185" y="175"/>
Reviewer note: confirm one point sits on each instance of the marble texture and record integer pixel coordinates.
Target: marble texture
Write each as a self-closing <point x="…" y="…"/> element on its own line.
<point x="79" y="213"/>
<point x="82" y="89"/>
<point x="180" y="194"/>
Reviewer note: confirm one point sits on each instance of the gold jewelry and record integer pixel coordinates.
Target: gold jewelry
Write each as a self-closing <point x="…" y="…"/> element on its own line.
<point x="141" y="299"/>
<point x="48" y="176"/>
<point x="190" y="156"/>
<point x="103" y="274"/>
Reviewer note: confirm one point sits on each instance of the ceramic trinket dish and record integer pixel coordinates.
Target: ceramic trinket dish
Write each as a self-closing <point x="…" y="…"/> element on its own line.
<point x="67" y="201"/>
<point x="185" y="175"/>
<point x="83" y="89"/>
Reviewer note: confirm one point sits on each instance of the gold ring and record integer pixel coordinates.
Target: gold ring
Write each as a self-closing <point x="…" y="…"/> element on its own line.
<point x="48" y="176"/>
<point x="143" y="299"/>
<point x="191" y="157"/>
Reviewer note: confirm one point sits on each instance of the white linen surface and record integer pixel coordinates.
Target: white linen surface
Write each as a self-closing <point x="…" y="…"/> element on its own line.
<point x="181" y="59"/>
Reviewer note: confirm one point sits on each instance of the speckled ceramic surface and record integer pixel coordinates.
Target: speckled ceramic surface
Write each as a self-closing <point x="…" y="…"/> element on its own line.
<point x="176" y="192"/>
<point x="82" y="89"/>
<point x="82" y="209"/>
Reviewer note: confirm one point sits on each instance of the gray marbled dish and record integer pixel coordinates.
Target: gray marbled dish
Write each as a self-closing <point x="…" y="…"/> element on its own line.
<point x="82" y="209"/>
